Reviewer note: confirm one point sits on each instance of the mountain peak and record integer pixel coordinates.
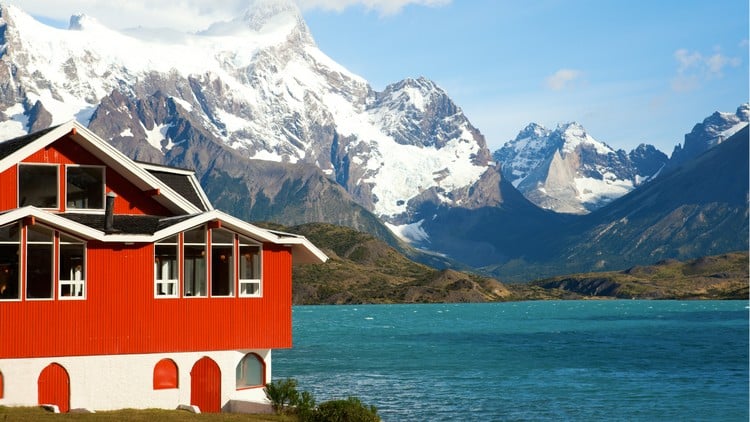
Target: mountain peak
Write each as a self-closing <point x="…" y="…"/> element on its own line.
<point x="262" y="12"/>
<point x="81" y="22"/>
<point x="265" y="17"/>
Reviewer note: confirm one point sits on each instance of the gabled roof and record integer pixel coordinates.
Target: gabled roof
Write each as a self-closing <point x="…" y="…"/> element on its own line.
<point x="16" y="150"/>
<point x="149" y="229"/>
<point x="179" y="191"/>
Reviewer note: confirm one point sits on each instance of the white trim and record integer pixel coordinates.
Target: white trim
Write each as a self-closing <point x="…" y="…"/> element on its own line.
<point x="303" y="250"/>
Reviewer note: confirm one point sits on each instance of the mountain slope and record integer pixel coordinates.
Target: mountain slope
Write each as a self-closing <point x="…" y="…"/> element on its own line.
<point x="709" y="133"/>
<point x="257" y="85"/>
<point x="698" y="209"/>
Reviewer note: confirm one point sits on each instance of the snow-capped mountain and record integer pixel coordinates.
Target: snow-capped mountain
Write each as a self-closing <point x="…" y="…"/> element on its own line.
<point x="567" y="170"/>
<point x="712" y="131"/>
<point x="257" y="85"/>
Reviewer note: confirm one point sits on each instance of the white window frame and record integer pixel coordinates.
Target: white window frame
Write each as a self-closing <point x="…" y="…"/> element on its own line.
<point x="77" y="285"/>
<point x="19" y="263"/>
<point x="57" y="183"/>
<point x="103" y="193"/>
<point x="206" y="270"/>
<point x="245" y="285"/>
<point x="232" y="265"/>
<point x="53" y="264"/>
<point x="168" y="284"/>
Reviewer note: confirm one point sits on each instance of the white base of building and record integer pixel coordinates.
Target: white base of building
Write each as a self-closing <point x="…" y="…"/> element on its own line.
<point x="113" y="382"/>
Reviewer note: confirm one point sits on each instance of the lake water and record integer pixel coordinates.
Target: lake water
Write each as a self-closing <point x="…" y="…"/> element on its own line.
<point x="558" y="360"/>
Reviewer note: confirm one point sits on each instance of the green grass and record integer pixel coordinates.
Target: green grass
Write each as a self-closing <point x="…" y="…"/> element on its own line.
<point x="37" y="414"/>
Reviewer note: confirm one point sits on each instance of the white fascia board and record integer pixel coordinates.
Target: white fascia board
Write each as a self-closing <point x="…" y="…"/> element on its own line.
<point x="18" y="156"/>
<point x="50" y="219"/>
<point x="303" y="251"/>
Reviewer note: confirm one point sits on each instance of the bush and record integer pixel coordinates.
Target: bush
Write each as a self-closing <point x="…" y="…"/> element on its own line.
<point x="286" y="399"/>
<point x="282" y="394"/>
<point x="349" y="410"/>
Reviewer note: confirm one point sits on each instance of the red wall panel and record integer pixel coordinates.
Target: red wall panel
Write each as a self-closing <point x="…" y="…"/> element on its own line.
<point x="9" y="189"/>
<point x="121" y="315"/>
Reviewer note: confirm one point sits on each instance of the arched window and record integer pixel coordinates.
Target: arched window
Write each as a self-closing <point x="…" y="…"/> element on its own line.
<point x="251" y="372"/>
<point x="165" y="375"/>
<point x="2" y="384"/>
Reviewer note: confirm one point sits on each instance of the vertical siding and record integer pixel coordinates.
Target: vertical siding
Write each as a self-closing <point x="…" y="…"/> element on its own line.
<point x="121" y="315"/>
<point x="130" y="199"/>
<point x="8" y="189"/>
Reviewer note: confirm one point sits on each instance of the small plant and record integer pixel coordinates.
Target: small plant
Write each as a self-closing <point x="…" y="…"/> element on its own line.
<point x="282" y="394"/>
<point x="285" y="399"/>
<point x="349" y="410"/>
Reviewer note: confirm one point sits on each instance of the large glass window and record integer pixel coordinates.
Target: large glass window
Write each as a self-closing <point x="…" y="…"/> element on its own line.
<point x="38" y="185"/>
<point x="39" y="251"/>
<point x="250" y="274"/>
<point x="85" y="187"/>
<point x="166" y="270"/>
<point x="222" y="263"/>
<point x="72" y="267"/>
<point x="194" y="262"/>
<point x="251" y="372"/>
<point x="10" y="244"/>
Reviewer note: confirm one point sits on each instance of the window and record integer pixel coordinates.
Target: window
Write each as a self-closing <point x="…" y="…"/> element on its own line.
<point x="2" y="385"/>
<point x="222" y="263"/>
<point x="165" y="375"/>
<point x="38" y="185"/>
<point x="84" y="187"/>
<point x="251" y="372"/>
<point x="10" y="245"/>
<point x="194" y="262"/>
<point x="249" y="267"/>
<point x="72" y="273"/>
<point x="39" y="251"/>
<point x="166" y="270"/>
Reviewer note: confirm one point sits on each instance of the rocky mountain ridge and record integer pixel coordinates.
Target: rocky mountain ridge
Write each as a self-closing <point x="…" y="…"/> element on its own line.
<point x="258" y="86"/>
<point x="567" y="170"/>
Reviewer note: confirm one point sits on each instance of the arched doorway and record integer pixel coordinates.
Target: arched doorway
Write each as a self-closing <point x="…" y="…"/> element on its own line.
<point x="205" y="385"/>
<point x="54" y="387"/>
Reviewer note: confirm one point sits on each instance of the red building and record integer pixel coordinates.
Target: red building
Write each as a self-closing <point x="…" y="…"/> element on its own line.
<point x="121" y="286"/>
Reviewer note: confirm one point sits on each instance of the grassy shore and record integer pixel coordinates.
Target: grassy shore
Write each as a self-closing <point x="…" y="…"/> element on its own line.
<point x="37" y="414"/>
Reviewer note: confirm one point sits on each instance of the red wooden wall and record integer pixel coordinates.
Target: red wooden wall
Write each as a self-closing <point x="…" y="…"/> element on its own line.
<point x="120" y="314"/>
<point x="130" y="199"/>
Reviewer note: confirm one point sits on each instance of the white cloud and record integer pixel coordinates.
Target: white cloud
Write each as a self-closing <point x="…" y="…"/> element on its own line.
<point x="385" y="7"/>
<point x="563" y="78"/>
<point x="693" y="68"/>
<point x="187" y="15"/>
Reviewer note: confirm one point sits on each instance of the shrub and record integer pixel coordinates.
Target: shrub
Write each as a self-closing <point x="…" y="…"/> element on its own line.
<point x="349" y="410"/>
<point x="282" y="394"/>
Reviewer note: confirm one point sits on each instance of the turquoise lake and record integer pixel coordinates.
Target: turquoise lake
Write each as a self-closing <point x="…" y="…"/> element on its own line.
<point x="557" y="360"/>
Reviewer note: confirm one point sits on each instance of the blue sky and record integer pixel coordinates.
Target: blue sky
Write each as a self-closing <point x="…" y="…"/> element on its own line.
<point x="629" y="71"/>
